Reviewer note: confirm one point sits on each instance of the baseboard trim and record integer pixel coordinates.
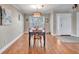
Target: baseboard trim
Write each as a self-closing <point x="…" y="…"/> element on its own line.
<point x="74" y="35"/>
<point x="9" y="44"/>
<point x="53" y="34"/>
<point x="26" y="32"/>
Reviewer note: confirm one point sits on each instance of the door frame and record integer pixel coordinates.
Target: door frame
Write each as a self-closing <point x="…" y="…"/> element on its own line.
<point x="58" y="22"/>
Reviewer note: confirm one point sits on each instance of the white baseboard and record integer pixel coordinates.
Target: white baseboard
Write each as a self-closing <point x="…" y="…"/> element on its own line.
<point x="74" y="35"/>
<point x="59" y="34"/>
<point x="26" y="32"/>
<point x="9" y="44"/>
<point x="53" y="34"/>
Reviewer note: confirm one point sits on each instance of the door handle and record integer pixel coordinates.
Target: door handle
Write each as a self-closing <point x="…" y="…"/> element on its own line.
<point x="61" y="25"/>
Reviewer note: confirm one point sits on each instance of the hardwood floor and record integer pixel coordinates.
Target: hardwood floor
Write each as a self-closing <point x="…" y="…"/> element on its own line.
<point x="53" y="46"/>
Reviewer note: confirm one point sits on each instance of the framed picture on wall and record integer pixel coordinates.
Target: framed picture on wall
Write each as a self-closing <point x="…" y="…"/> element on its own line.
<point x="6" y="17"/>
<point x="0" y="15"/>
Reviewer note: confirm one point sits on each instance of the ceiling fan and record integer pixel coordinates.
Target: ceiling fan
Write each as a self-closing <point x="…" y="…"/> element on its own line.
<point x="75" y="6"/>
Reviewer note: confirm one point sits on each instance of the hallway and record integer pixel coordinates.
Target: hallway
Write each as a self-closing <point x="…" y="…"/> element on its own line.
<point x="53" y="46"/>
<point x="52" y="19"/>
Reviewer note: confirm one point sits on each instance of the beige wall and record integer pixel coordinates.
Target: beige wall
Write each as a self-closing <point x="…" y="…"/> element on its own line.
<point x="10" y="32"/>
<point x="26" y="23"/>
<point x="77" y="15"/>
<point x="52" y="23"/>
<point x="74" y="24"/>
<point x="47" y="24"/>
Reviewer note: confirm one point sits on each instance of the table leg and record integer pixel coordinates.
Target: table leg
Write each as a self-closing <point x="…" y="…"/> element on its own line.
<point x="44" y="39"/>
<point x="29" y="39"/>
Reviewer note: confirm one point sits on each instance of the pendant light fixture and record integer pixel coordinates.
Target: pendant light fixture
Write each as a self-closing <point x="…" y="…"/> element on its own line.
<point x="38" y="7"/>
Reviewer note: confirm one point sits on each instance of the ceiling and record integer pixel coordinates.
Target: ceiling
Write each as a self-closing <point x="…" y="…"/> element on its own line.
<point x="27" y="9"/>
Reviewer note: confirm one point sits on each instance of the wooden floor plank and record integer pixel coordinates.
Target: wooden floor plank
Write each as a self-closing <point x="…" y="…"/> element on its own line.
<point x="53" y="46"/>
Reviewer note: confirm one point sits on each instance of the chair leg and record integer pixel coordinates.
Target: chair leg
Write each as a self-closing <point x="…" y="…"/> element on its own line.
<point x="34" y="43"/>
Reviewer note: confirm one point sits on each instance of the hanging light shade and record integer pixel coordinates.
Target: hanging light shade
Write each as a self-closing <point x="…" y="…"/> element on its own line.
<point x="37" y="14"/>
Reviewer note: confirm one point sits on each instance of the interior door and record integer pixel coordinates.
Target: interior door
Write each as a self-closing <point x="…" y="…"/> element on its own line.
<point x="64" y="24"/>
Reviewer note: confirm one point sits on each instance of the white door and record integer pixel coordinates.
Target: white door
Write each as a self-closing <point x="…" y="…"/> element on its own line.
<point x="63" y="24"/>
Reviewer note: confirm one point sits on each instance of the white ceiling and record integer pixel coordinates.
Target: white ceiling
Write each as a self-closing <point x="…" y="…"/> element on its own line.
<point x="27" y="9"/>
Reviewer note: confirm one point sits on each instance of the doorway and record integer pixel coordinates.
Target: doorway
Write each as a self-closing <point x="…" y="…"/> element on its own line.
<point x="63" y="24"/>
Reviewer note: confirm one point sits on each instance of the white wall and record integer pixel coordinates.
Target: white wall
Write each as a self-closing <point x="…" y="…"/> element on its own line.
<point x="10" y="32"/>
